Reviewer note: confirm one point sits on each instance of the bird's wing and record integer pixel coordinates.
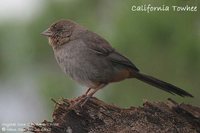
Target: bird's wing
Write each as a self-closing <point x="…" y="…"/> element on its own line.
<point x="96" y="43"/>
<point x="120" y="59"/>
<point x="100" y="46"/>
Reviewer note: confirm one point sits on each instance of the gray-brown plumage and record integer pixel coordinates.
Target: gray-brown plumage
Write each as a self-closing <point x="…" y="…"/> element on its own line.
<point x="90" y="60"/>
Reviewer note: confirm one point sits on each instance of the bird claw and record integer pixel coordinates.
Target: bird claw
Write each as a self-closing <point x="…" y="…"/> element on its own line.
<point x="81" y="100"/>
<point x="84" y="101"/>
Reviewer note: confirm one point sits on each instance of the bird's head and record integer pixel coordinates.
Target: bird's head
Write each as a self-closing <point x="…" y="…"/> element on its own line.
<point x="59" y="32"/>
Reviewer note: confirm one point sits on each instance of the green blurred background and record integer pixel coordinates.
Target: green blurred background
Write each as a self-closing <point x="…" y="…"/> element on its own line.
<point x="163" y="44"/>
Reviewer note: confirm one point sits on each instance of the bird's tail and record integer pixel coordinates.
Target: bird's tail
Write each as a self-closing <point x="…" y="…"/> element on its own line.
<point x="161" y="84"/>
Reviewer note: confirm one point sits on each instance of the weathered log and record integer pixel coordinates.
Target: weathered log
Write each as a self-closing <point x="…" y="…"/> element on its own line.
<point x="98" y="117"/>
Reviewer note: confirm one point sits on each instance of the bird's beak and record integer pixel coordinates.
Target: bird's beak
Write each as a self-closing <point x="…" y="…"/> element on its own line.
<point x="47" y="32"/>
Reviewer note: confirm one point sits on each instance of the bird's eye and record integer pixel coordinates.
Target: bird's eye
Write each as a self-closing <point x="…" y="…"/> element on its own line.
<point x="59" y="30"/>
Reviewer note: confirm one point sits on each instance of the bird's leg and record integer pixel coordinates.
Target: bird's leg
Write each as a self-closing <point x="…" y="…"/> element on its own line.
<point x="76" y="100"/>
<point x="88" y="96"/>
<point x="84" y="98"/>
<point x="84" y="95"/>
<point x="88" y="90"/>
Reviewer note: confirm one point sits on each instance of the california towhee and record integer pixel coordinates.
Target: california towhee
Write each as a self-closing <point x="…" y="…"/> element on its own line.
<point x="90" y="60"/>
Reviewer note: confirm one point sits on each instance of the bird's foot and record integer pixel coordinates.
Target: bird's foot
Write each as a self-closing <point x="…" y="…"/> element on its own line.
<point x="81" y="100"/>
<point x="75" y="100"/>
<point x="84" y="101"/>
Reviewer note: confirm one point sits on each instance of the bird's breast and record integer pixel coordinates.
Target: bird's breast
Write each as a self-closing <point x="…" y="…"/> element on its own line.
<point x="83" y="65"/>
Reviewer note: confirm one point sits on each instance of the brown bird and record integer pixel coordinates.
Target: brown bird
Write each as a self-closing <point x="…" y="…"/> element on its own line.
<point x="90" y="60"/>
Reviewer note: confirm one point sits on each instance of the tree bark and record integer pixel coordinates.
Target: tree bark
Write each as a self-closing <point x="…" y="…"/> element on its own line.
<point x="98" y="117"/>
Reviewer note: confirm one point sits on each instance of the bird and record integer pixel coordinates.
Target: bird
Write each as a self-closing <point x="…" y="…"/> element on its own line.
<point x="90" y="60"/>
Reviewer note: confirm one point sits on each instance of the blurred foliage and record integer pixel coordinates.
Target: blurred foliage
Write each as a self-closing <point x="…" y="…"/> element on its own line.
<point x="163" y="44"/>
